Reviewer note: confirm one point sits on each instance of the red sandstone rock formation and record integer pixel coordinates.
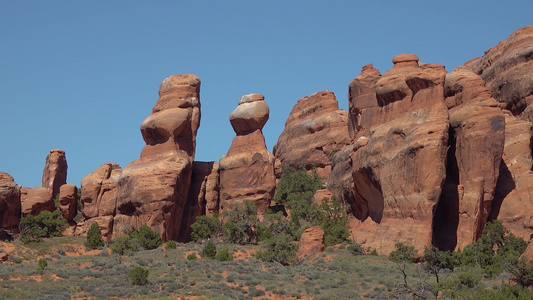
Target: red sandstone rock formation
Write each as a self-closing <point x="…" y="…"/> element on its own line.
<point x="203" y="196"/>
<point x="55" y="171"/>
<point x="153" y="189"/>
<point x="68" y="194"/>
<point x="311" y="243"/>
<point x="315" y="129"/>
<point x="506" y="69"/>
<point x="398" y="165"/>
<point x="99" y="191"/>
<point x="38" y="199"/>
<point x="247" y="170"/>
<point x="10" y="207"/>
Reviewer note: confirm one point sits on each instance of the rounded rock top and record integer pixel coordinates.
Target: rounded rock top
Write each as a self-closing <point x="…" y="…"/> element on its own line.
<point x="251" y="98"/>
<point x="172" y="82"/>
<point x="400" y="58"/>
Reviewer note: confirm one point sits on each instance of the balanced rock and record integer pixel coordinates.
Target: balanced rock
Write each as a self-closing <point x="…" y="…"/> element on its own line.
<point x="311" y="243"/>
<point x="398" y="163"/>
<point x="38" y="199"/>
<point x="10" y="207"/>
<point x="153" y="189"/>
<point x="247" y="170"/>
<point x="315" y="129"/>
<point x="506" y="69"/>
<point x="55" y="171"/>
<point x="68" y="196"/>
<point x="203" y="196"/>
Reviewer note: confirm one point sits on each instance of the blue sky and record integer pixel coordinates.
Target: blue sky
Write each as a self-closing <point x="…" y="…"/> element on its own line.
<point x="82" y="75"/>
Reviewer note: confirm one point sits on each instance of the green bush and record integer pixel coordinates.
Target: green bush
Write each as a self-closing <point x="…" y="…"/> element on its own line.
<point x="144" y="239"/>
<point x="296" y="182"/>
<point x="355" y="249"/>
<point x="45" y="225"/>
<point x="522" y="274"/>
<point x="192" y="256"/>
<point x="209" y="250"/>
<point x="138" y="276"/>
<point x="331" y="216"/>
<point x="240" y="225"/>
<point x="94" y="237"/>
<point x="224" y="254"/>
<point x="171" y="245"/>
<point x="42" y="264"/>
<point x="205" y="227"/>
<point x="279" y="248"/>
<point x="403" y="253"/>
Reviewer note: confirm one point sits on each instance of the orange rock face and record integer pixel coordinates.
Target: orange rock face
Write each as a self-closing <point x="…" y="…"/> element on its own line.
<point x="203" y="196"/>
<point x="506" y="68"/>
<point x="153" y="189"/>
<point x="99" y="191"/>
<point x="55" y="171"/>
<point x="68" y="194"/>
<point x="38" y="199"/>
<point x="10" y="207"/>
<point x="247" y="170"/>
<point x="311" y="242"/>
<point x="315" y="129"/>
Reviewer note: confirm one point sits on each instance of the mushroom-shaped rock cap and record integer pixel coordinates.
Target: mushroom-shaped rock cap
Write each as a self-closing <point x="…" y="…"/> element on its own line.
<point x="404" y="58"/>
<point x="176" y="81"/>
<point x="251" y="114"/>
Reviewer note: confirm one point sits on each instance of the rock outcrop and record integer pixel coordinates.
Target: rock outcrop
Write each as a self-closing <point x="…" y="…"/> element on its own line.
<point x="153" y="189"/>
<point x="311" y="243"/>
<point x="247" y="170"/>
<point x="315" y="129"/>
<point x="99" y="191"/>
<point x="10" y="207"/>
<point x="202" y="198"/>
<point x="55" y="171"/>
<point x="38" y="199"/>
<point x="506" y="69"/>
<point x="68" y="196"/>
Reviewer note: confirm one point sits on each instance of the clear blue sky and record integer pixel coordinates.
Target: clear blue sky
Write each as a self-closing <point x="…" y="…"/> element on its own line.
<point x="82" y="75"/>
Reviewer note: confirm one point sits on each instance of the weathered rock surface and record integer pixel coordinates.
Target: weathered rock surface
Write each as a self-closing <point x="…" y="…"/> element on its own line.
<point x="315" y="129"/>
<point x="99" y="191"/>
<point x="311" y="243"/>
<point x="55" y="171"/>
<point x="506" y="68"/>
<point x="398" y="166"/>
<point x="247" y="170"/>
<point x="203" y="196"/>
<point x="320" y="195"/>
<point x="10" y="207"/>
<point x="68" y="194"/>
<point x="527" y="256"/>
<point x="38" y="199"/>
<point x="477" y="133"/>
<point x="153" y="189"/>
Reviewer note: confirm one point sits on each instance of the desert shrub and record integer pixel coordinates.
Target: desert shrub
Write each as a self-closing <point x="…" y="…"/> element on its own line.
<point x="295" y="182"/>
<point x="171" y="245"/>
<point x="138" y="276"/>
<point x="436" y="260"/>
<point x="46" y="224"/>
<point x="209" y="250"/>
<point x="403" y="253"/>
<point x="42" y="264"/>
<point x="355" y="249"/>
<point x="143" y="239"/>
<point x="205" y="227"/>
<point x="224" y="254"/>
<point x="240" y="224"/>
<point x="330" y="215"/>
<point x="192" y="256"/>
<point x="279" y="248"/>
<point x="272" y="224"/>
<point x="522" y="274"/>
<point x="94" y="237"/>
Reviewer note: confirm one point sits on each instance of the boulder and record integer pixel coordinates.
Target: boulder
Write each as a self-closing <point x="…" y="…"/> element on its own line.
<point x="68" y="198"/>
<point x="506" y="69"/>
<point x="38" y="199"/>
<point x="398" y="163"/>
<point x="153" y="189"/>
<point x="202" y="197"/>
<point x="311" y="243"/>
<point x="4" y="257"/>
<point x="315" y="129"/>
<point x="55" y="171"/>
<point x="10" y="207"/>
<point x="247" y="170"/>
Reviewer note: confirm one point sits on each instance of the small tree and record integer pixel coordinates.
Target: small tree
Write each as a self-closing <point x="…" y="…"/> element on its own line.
<point x="205" y="227"/>
<point x="94" y="237"/>
<point x="240" y="225"/>
<point x="209" y="250"/>
<point x="171" y="245"/>
<point x="42" y="264"/>
<point x="403" y="253"/>
<point x="138" y="276"/>
<point x="224" y="254"/>
<point x="192" y="256"/>
<point x="279" y="248"/>
<point x="45" y="225"/>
